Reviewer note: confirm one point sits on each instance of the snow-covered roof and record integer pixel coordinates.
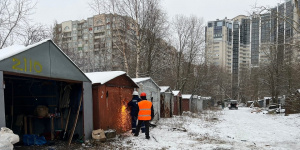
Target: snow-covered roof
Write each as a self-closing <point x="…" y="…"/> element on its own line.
<point x="186" y="96"/>
<point x="206" y="98"/>
<point x="103" y="77"/>
<point x="164" y="88"/>
<point x="138" y="80"/>
<point x="175" y="93"/>
<point x="16" y="49"/>
<point x="267" y="98"/>
<point x="13" y="50"/>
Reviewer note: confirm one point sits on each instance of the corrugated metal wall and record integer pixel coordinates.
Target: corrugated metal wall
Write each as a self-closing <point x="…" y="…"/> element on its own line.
<point x="110" y="108"/>
<point x="110" y="102"/>
<point x="166" y="105"/>
<point x="176" y="112"/>
<point x="185" y="104"/>
<point x="153" y="94"/>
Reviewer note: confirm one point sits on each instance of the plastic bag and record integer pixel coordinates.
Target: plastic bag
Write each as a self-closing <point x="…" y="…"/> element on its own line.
<point x="7" y="139"/>
<point x="31" y="139"/>
<point x="6" y="145"/>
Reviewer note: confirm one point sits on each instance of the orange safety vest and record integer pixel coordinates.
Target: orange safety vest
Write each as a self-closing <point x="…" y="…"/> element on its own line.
<point x="144" y="110"/>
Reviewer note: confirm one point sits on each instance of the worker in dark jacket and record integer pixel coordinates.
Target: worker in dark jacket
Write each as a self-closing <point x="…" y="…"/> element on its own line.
<point x="145" y="114"/>
<point x="133" y="105"/>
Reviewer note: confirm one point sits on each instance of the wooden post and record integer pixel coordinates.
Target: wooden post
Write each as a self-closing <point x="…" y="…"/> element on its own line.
<point x="67" y="123"/>
<point x="76" y="119"/>
<point x="30" y="125"/>
<point x="52" y="128"/>
<point x="25" y="124"/>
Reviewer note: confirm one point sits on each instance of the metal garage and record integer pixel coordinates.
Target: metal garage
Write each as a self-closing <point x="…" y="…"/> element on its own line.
<point x="152" y="90"/>
<point x="39" y="86"/>
<point x="112" y="90"/>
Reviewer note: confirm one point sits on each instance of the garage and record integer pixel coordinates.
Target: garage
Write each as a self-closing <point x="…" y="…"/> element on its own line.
<point x="42" y="92"/>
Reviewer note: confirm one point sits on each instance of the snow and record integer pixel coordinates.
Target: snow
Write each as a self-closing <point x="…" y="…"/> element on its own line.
<point x="103" y="77"/>
<point x="164" y="88"/>
<point x="16" y="49"/>
<point x="137" y="80"/>
<point x="186" y="96"/>
<point x="220" y="129"/>
<point x="175" y="93"/>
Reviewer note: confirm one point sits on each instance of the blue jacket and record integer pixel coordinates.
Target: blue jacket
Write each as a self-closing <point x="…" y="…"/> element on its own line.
<point x="133" y="104"/>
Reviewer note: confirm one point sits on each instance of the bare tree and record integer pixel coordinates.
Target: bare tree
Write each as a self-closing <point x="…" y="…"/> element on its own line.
<point x="145" y="20"/>
<point x="189" y="33"/>
<point x="30" y="34"/>
<point x="12" y="15"/>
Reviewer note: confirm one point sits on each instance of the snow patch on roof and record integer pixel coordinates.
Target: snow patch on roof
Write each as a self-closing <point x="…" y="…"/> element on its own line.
<point x="16" y="49"/>
<point x="103" y="77"/>
<point x="186" y="96"/>
<point x="137" y="80"/>
<point x="164" y="88"/>
<point x="175" y="93"/>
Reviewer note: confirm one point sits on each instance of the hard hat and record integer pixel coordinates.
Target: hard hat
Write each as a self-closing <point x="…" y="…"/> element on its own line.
<point x="143" y="94"/>
<point x="135" y="93"/>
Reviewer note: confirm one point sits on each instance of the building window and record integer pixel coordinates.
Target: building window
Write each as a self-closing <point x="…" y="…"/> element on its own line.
<point x="66" y="28"/>
<point x="99" y="22"/>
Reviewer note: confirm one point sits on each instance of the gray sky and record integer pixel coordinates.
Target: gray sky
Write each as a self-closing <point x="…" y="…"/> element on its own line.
<point x="63" y="10"/>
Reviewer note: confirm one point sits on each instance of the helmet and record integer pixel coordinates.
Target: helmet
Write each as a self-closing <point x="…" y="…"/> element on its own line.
<point x="135" y="93"/>
<point x="143" y="94"/>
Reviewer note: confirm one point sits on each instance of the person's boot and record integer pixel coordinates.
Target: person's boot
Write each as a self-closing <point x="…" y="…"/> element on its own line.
<point x="148" y="137"/>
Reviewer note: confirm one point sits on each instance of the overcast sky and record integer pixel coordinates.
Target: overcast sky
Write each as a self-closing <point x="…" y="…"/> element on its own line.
<point x="63" y="10"/>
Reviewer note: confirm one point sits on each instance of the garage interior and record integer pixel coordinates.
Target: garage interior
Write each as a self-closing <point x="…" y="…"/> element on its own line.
<point x="27" y="99"/>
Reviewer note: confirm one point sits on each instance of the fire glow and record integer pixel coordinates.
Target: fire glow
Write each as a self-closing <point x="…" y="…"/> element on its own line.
<point x="125" y="119"/>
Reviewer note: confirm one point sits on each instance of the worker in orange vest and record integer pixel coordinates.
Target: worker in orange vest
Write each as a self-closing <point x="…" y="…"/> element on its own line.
<point x="145" y="114"/>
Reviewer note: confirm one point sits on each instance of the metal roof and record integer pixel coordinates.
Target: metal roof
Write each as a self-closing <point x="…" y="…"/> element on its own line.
<point x="105" y="76"/>
<point x="175" y="93"/>
<point x="139" y="80"/>
<point x="43" y="59"/>
<point x="186" y="96"/>
<point x="164" y="88"/>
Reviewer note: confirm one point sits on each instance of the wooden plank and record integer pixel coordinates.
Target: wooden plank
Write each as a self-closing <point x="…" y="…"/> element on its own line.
<point x="25" y="124"/>
<point x="30" y="125"/>
<point x="52" y="128"/>
<point x="75" y="123"/>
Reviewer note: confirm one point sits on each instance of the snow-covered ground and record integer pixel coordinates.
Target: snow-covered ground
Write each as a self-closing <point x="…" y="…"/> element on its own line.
<point x="221" y="130"/>
<point x="241" y="129"/>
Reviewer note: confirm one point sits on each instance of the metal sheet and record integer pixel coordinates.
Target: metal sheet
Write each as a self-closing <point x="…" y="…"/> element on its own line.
<point x="110" y="108"/>
<point x="199" y="105"/>
<point x="162" y="105"/>
<point x="153" y="94"/>
<point x="167" y="106"/>
<point x="2" y="104"/>
<point x="185" y="104"/>
<point x="44" y="60"/>
<point x="88" y="109"/>
<point x="176" y="110"/>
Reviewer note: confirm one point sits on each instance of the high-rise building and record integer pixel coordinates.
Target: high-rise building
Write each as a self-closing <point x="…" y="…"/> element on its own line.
<point x="219" y="44"/>
<point x="228" y="46"/>
<point x="244" y="42"/>
<point x="97" y="43"/>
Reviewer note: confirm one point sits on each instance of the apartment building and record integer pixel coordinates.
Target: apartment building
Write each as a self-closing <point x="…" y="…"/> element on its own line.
<point x="218" y="45"/>
<point x="228" y="46"/>
<point x="244" y="42"/>
<point x="97" y="43"/>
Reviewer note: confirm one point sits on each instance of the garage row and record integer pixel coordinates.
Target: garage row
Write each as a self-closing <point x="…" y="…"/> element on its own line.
<point x="42" y="92"/>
